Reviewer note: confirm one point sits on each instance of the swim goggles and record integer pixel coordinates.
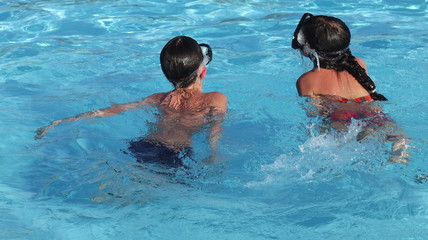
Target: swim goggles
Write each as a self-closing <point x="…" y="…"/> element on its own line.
<point x="298" y="38"/>
<point x="299" y="42"/>
<point x="206" y="52"/>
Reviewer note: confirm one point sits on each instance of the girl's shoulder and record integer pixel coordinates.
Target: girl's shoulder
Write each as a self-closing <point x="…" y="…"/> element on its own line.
<point x="361" y="62"/>
<point x="310" y="77"/>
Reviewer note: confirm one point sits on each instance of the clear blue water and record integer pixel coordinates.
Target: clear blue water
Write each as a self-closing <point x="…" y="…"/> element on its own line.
<point x="275" y="178"/>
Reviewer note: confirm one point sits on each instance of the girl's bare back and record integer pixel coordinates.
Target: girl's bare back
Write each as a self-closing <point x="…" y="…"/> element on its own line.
<point x="329" y="82"/>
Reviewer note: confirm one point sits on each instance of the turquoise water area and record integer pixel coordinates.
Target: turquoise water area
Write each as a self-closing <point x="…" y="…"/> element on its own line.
<point x="276" y="177"/>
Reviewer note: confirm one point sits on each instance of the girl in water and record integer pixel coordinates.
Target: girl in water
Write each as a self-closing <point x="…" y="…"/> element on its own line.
<point x="337" y="73"/>
<point x="338" y="85"/>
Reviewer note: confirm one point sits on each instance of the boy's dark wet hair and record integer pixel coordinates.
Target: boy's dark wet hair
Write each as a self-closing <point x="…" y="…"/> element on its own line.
<point x="326" y="40"/>
<point x="180" y="59"/>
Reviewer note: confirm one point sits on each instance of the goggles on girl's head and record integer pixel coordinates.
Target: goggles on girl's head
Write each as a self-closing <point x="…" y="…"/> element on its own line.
<point x="206" y="52"/>
<point x="298" y="38"/>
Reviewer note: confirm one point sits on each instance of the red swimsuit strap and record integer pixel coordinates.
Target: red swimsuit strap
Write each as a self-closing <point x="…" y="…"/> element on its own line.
<point x="367" y="98"/>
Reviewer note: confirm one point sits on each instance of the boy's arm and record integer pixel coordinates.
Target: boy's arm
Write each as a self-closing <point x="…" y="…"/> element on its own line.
<point x="218" y="111"/>
<point x="213" y="137"/>
<point x="110" y="111"/>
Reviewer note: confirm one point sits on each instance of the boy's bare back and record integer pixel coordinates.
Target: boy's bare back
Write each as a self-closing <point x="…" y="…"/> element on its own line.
<point x="183" y="112"/>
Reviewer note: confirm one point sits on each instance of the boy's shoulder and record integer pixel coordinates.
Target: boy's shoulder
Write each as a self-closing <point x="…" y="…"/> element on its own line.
<point x="157" y="97"/>
<point x="212" y="99"/>
<point x="217" y="101"/>
<point x="216" y="98"/>
<point x="216" y="95"/>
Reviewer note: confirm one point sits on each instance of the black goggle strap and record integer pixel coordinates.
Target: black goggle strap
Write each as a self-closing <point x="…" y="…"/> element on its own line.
<point x="206" y="52"/>
<point x="333" y="56"/>
<point x="295" y="43"/>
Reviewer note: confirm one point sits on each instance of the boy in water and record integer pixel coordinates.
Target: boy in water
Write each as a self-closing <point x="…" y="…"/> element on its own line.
<point x="184" y="110"/>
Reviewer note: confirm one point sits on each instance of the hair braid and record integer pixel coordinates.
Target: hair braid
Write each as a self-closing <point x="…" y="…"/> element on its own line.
<point x="349" y="63"/>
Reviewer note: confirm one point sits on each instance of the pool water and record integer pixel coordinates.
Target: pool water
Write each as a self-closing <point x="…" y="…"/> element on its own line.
<point x="276" y="177"/>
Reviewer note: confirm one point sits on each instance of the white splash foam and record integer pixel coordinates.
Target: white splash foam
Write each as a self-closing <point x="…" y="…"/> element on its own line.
<point x="322" y="157"/>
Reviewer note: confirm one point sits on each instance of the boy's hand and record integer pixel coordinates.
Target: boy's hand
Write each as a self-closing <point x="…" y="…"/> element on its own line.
<point x="40" y="133"/>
